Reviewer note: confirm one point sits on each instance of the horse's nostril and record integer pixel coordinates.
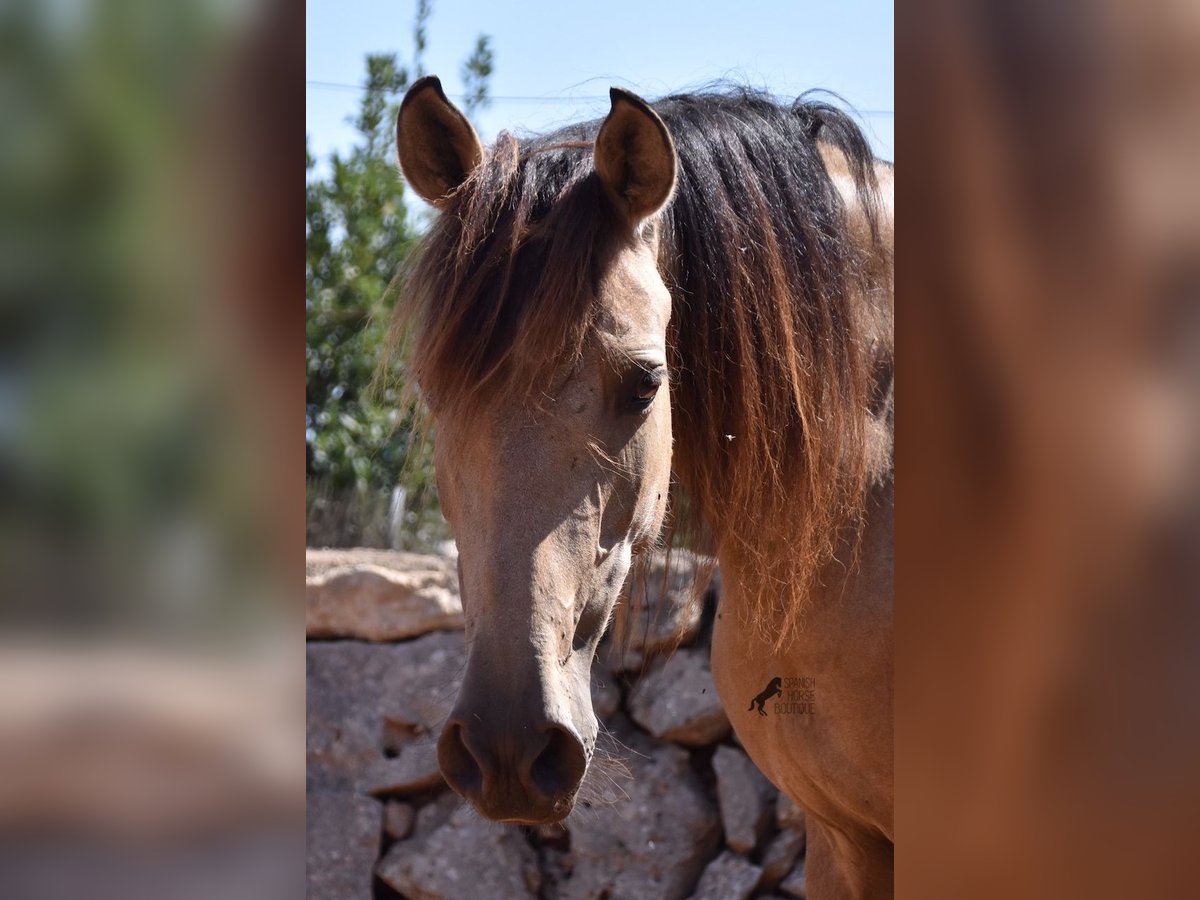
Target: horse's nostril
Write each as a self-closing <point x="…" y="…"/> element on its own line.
<point x="559" y="768"/>
<point x="459" y="766"/>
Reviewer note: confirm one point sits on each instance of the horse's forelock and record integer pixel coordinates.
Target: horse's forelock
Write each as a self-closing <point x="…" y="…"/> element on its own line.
<point x="501" y="292"/>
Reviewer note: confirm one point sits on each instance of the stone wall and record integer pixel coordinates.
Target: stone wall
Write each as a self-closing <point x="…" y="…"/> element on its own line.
<point x="671" y="808"/>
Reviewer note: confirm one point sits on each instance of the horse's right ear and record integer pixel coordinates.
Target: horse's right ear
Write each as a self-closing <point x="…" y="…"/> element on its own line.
<point x="437" y="146"/>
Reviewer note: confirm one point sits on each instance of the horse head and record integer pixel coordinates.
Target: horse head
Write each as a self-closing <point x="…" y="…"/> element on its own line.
<point x="543" y="356"/>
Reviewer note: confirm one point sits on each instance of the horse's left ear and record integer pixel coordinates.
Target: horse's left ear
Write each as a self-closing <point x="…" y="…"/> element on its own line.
<point x="437" y="146"/>
<point x="635" y="157"/>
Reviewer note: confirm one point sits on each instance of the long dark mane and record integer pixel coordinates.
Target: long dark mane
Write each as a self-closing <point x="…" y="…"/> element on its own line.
<point x="771" y="379"/>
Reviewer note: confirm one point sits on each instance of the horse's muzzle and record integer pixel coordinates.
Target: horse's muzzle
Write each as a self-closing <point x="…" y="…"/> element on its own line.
<point x="518" y="774"/>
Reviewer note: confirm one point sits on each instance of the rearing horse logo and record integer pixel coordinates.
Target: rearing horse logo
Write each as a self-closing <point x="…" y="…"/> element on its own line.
<point x="773" y="689"/>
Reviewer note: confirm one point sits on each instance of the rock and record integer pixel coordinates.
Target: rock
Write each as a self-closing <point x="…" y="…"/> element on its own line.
<point x="745" y="796"/>
<point x="606" y="696"/>
<point x="398" y="820"/>
<point x="466" y="857"/>
<point x="795" y="885"/>
<point x="343" y="843"/>
<point x="556" y="869"/>
<point x="397" y="734"/>
<point x="678" y="701"/>
<point x="552" y="833"/>
<point x="659" y="614"/>
<point x="788" y="814"/>
<point x="728" y="877"/>
<point x="345" y="682"/>
<point x="610" y="771"/>
<point x="651" y="843"/>
<point x="414" y="770"/>
<point x="426" y="679"/>
<point x="319" y="562"/>
<point x="437" y="813"/>
<point x="381" y="604"/>
<point x="780" y="856"/>
<point x="355" y="689"/>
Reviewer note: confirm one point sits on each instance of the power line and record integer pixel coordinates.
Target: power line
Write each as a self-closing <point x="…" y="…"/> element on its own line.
<point x="595" y="98"/>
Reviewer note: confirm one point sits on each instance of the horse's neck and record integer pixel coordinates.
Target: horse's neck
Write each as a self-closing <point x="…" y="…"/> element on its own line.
<point x="875" y="305"/>
<point x="875" y="309"/>
<point x="856" y="581"/>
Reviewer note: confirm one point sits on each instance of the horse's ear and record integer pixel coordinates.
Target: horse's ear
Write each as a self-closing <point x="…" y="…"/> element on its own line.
<point x="437" y="146"/>
<point x="635" y="157"/>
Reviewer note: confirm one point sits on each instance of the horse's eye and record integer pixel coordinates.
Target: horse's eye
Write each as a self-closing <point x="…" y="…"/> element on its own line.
<point x="646" y="387"/>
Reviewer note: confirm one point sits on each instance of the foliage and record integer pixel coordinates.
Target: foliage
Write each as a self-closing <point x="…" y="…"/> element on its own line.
<point x="132" y="498"/>
<point x="358" y="230"/>
<point x="475" y="73"/>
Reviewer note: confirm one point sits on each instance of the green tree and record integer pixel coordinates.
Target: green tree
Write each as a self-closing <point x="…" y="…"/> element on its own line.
<point x="358" y="230"/>
<point x="476" y="74"/>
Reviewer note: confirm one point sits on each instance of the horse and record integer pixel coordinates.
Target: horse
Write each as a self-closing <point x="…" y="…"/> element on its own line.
<point x="690" y="298"/>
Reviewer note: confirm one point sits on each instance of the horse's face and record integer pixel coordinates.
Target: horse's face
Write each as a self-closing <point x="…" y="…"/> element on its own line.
<point x="550" y="502"/>
<point x="548" y="508"/>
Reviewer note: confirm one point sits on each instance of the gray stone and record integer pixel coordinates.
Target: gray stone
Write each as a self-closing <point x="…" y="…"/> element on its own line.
<point x="466" y="857"/>
<point x="678" y="701"/>
<point x="556" y="870"/>
<point x="414" y="770"/>
<point x="795" y="885"/>
<point x="426" y="682"/>
<point x="435" y="814"/>
<point x="344" y="684"/>
<point x="728" y="877"/>
<point x="343" y="843"/>
<point x="355" y="689"/>
<point x="375" y="603"/>
<point x="661" y="611"/>
<point x="780" y="856"/>
<point x="398" y="820"/>
<point x="788" y="814"/>
<point x="745" y="796"/>
<point x="652" y="842"/>
<point x="609" y="773"/>
<point x="606" y="696"/>
<point x="551" y="832"/>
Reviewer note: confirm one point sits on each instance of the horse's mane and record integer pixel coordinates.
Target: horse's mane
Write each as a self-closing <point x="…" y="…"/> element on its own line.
<point x="771" y="382"/>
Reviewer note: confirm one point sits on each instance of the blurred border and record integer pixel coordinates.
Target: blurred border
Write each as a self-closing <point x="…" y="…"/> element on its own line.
<point x="151" y="733"/>
<point x="1047" y="545"/>
<point x="1047" y="541"/>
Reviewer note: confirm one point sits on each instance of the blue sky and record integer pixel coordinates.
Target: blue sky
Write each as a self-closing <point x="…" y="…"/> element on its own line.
<point x="571" y="53"/>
